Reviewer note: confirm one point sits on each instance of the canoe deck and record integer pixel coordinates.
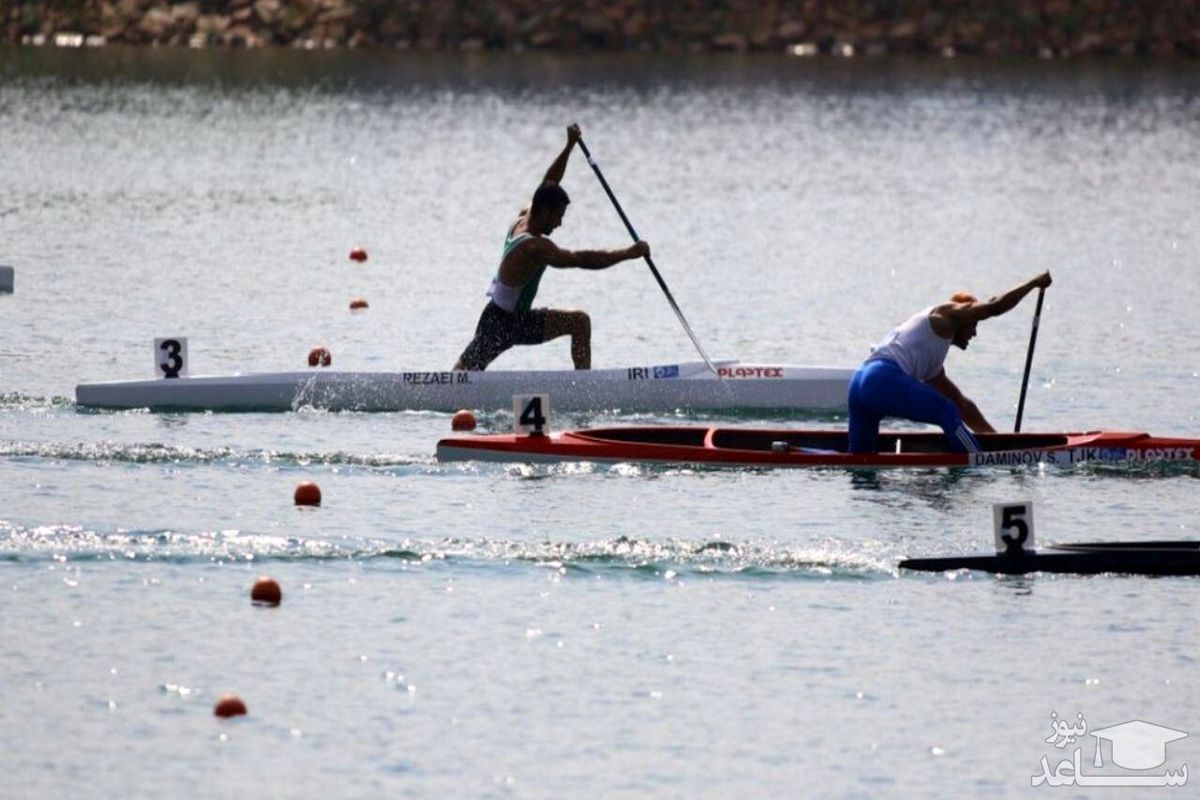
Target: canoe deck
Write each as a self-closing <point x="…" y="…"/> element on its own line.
<point x="661" y="388"/>
<point x="1180" y="558"/>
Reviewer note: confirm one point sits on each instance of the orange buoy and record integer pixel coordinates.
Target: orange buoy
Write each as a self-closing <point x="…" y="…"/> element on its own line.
<point x="230" y="705"/>
<point x="358" y="254"/>
<point x="320" y="357"/>
<point x="358" y="304"/>
<point x="266" y="592"/>
<point x="463" y="421"/>
<point x="307" y="494"/>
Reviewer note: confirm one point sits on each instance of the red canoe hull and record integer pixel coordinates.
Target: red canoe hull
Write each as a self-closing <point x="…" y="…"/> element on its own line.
<point x="800" y="448"/>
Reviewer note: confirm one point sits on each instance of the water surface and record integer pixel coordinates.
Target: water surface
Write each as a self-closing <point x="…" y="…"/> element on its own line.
<point x="493" y="630"/>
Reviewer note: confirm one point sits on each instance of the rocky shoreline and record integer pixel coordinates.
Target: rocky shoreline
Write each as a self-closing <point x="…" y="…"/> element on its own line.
<point x="1045" y="28"/>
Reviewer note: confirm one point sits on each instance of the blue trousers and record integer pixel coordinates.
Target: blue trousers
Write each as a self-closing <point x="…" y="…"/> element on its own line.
<point x="881" y="389"/>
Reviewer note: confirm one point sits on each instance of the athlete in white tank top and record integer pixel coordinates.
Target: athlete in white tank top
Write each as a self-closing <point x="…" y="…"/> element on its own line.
<point x="509" y="297"/>
<point x="919" y="346"/>
<point x="915" y="347"/>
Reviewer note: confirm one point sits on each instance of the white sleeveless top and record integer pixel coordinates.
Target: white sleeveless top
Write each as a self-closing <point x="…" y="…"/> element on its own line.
<point x="501" y="293"/>
<point x="914" y="347"/>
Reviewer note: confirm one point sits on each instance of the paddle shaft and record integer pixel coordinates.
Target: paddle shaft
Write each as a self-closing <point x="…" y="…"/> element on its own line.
<point x="1037" y="316"/>
<point x="649" y="261"/>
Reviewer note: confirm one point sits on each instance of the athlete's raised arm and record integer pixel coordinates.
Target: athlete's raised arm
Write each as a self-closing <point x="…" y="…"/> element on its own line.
<point x="559" y="167"/>
<point x="966" y="313"/>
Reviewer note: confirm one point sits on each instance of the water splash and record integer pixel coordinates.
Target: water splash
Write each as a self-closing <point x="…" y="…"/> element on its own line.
<point x="21" y="402"/>
<point x="643" y="558"/>
<point x="158" y="453"/>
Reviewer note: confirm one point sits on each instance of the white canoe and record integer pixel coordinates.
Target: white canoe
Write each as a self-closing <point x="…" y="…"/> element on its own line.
<point x="689" y="385"/>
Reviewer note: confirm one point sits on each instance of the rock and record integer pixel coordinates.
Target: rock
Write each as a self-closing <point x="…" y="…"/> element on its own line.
<point x="968" y="35"/>
<point x="241" y="36"/>
<point x="792" y="31"/>
<point x="598" y="32"/>
<point x="762" y="40"/>
<point x="933" y="23"/>
<point x="115" y="31"/>
<point x="341" y="14"/>
<point x="267" y="10"/>
<point x="636" y="26"/>
<point x="734" y="42"/>
<point x="184" y="15"/>
<point x="434" y="26"/>
<point x="294" y="18"/>
<point x="543" y="39"/>
<point x="392" y="27"/>
<point x="1087" y="44"/>
<point x="595" y="24"/>
<point x="505" y="24"/>
<point x="1056" y="8"/>
<point x="156" y="22"/>
<point x="530" y="24"/>
<point x="1024" y="27"/>
<point x="207" y="24"/>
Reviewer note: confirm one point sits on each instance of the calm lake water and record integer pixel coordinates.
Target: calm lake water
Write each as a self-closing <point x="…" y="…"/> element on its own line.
<point x="574" y="631"/>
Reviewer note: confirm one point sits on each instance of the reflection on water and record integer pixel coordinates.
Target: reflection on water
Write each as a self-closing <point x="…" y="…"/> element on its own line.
<point x="1020" y="585"/>
<point x="897" y="487"/>
<point x="343" y="71"/>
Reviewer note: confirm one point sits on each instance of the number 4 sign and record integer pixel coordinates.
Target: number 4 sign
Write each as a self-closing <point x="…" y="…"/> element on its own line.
<point x="531" y="414"/>
<point x="170" y="357"/>
<point x="1013" y="523"/>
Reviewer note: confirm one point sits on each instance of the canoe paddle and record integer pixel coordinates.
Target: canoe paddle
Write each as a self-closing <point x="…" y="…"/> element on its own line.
<point x="1037" y="316"/>
<point x="649" y="261"/>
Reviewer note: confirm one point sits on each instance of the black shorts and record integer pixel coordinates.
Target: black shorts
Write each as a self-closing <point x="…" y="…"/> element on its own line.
<point x="499" y="330"/>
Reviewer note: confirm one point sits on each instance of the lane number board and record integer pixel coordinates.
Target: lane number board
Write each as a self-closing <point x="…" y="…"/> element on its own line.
<point x="170" y="357"/>
<point x="1013" y="525"/>
<point x="531" y="414"/>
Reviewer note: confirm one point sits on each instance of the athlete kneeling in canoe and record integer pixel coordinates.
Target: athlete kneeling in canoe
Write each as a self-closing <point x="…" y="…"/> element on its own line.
<point x="509" y="319"/>
<point x="904" y="377"/>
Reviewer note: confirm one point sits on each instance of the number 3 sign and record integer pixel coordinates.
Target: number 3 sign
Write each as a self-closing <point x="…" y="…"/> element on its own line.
<point x="170" y="357"/>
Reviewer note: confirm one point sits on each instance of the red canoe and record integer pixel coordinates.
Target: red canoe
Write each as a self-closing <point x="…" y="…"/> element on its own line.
<point x="674" y="444"/>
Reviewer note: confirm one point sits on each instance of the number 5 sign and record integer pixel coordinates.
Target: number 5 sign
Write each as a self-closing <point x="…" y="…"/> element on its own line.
<point x="1013" y="523"/>
<point x="170" y="357"/>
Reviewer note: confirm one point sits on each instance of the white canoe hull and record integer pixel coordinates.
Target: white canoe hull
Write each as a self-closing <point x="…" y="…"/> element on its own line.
<point x="689" y="385"/>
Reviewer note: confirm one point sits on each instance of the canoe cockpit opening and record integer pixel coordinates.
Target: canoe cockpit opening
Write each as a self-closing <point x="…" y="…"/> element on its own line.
<point x="990" y="442"/>
<point x="677" y="436"/>
<point x="891" y="443"/>
<point x="811" y="441"/>
<point x="930" y="442"/>
<point x="765" y="440"/>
